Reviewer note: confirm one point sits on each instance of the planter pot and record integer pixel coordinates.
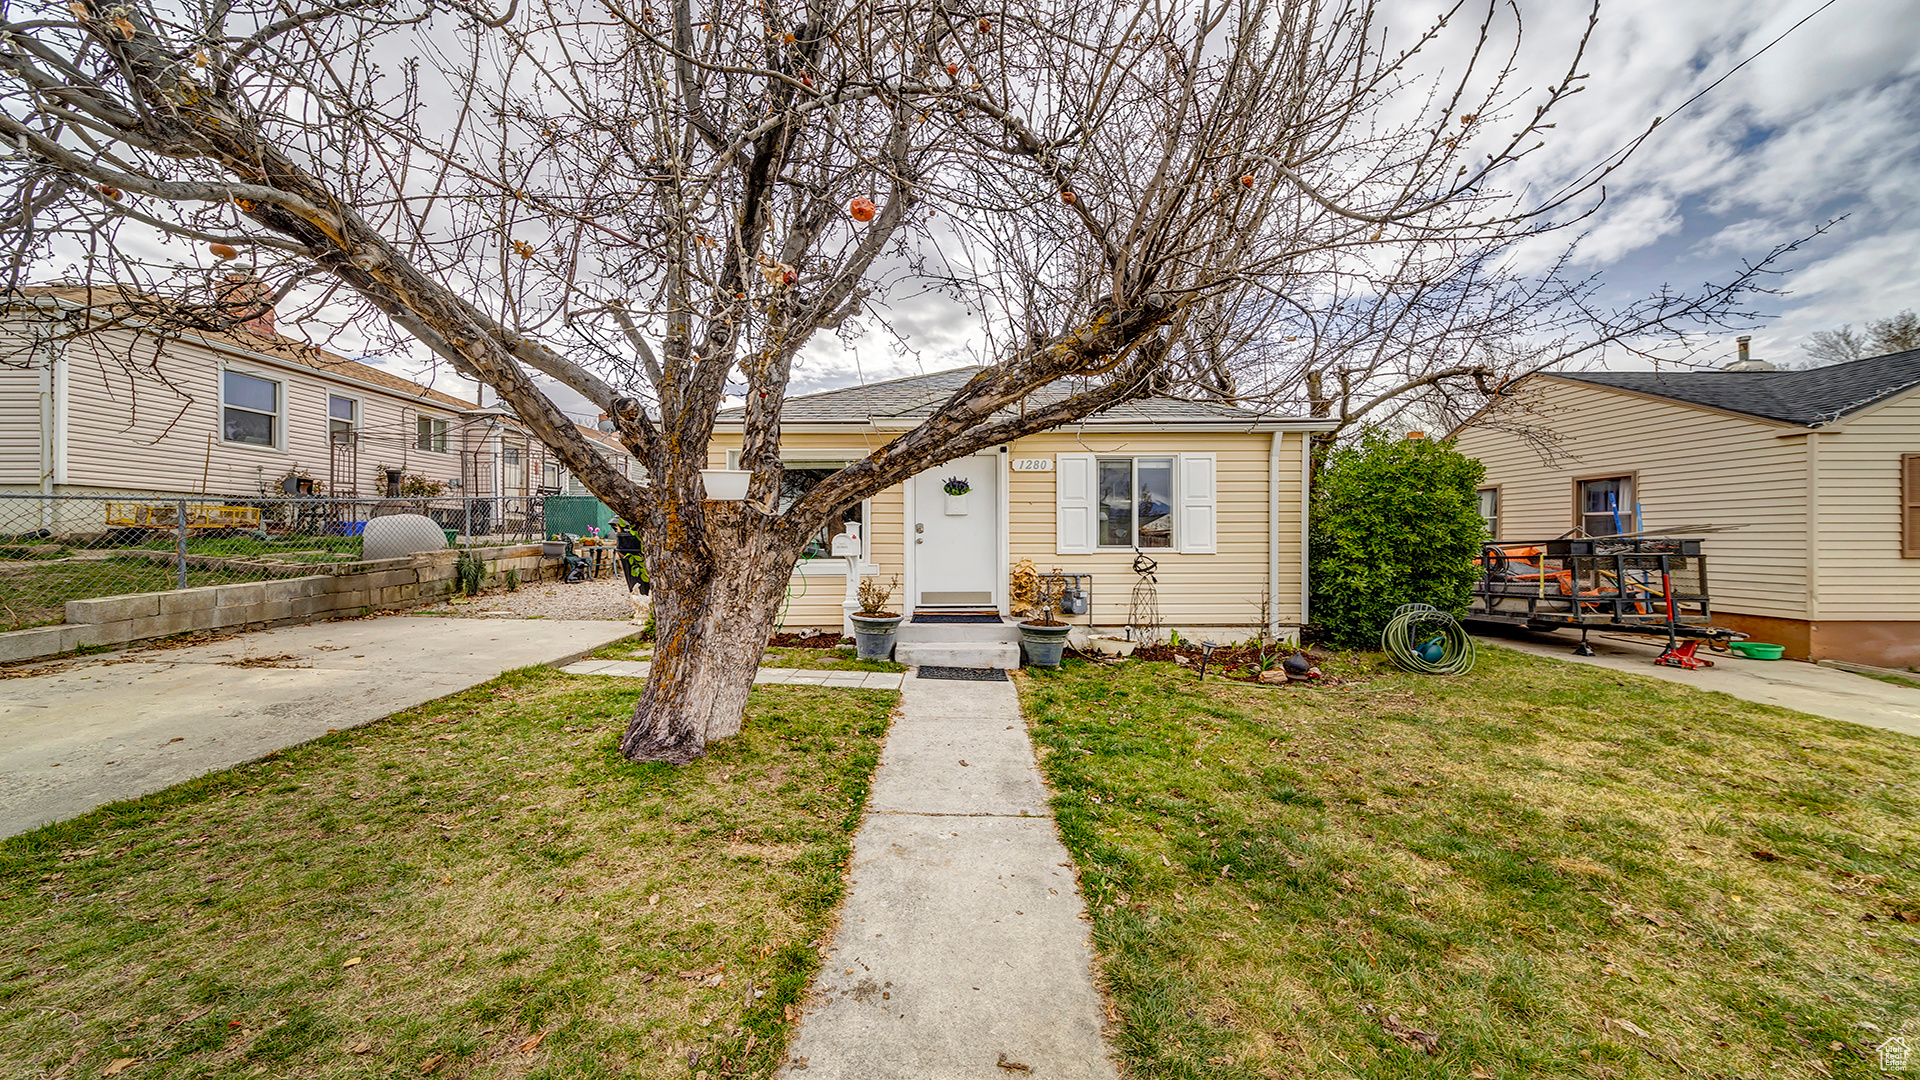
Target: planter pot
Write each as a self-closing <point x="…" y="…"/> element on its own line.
<point x="873" y="635"/>
<point x="956" y="505"/>
<point x="553" y="548"/>
<point x="726" y="483"/>
<point x="1107" y="645"/>
<point x="1043" y="644"/>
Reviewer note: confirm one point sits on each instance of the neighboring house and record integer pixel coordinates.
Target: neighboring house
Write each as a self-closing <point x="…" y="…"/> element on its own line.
<point x="1211" y="493"/>
<point x="118" y="408"/>
<point x="1805" y="486"/>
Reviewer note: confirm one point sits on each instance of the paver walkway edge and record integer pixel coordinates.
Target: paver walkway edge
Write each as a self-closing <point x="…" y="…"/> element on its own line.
<point x="961" y="948"/>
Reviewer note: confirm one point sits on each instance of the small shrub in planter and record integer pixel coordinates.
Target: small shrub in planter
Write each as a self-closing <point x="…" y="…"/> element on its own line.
<point x="874" y="627"/>
<point x="1044" y="637"/>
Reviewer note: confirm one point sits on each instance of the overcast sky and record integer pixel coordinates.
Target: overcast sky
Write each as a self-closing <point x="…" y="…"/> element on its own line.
<point x="1826" y="124"/>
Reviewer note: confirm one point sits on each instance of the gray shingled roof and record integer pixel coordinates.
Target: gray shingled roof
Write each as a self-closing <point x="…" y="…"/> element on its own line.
<point x="1809" y="398"/>
<point x="918" y="395"/>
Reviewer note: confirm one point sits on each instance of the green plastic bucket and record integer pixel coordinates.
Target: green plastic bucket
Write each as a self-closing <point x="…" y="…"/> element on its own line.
<point x="1758" y="650"/>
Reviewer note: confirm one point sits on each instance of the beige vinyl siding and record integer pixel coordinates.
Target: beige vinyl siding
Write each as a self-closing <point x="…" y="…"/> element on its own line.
<point x="1692" y="467"/>
<point x="814" y="598"/>
<point x="19" y="408"/>
<point x="1218" y="590"/>
<point x="1222" y="589"/>
<point x="1862" y="575"/>
<point x="148" y="430"/>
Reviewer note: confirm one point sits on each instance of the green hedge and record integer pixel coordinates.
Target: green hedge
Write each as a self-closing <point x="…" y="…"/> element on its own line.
<point x="1395" y="521"/>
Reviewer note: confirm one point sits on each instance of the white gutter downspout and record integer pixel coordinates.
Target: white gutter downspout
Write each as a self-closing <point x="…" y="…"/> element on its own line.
<point x="47" y="431"/>
<point x="1306" y="503"/>
<point x="1273" y="536"/>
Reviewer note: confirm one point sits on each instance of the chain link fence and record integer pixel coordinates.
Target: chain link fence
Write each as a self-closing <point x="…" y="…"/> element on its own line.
<point x="56" y="548"/>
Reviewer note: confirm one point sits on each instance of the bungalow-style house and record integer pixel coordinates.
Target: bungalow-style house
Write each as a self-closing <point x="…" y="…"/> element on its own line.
<point x="1804" y="485"/>
<point x="248" y="414"/>
<point x="1212" y="494"/>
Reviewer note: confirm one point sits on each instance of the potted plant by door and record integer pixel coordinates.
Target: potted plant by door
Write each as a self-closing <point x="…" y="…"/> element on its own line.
<point x="956" y="488"/>
<point x="874" y="627"/>
<point x="1044" y="637"/>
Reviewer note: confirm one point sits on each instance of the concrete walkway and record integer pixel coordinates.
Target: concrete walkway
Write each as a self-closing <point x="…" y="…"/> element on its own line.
<point x="1790" y="684"/>
<point x="766" y="676"/>
<point x="128" y="724"/>
<point x="961" y="951"/>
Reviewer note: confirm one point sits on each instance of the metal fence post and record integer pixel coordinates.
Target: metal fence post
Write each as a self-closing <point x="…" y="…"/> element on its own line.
<point x="180" y="542"/>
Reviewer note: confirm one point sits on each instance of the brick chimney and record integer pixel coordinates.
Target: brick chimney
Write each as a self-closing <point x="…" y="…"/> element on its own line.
<point x="1746" y="361"/>
<point x="242" y="294"/>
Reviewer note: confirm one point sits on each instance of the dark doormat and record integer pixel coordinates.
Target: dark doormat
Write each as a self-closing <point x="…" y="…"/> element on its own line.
<point x="931" y="618"/>
<point x="970" y="674"/>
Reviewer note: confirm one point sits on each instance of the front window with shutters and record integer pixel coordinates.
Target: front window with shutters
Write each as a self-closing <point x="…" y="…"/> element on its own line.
<point x="1135" y="502"/>
<point x="249" y="409"/>
<point x="1149" y="502"/>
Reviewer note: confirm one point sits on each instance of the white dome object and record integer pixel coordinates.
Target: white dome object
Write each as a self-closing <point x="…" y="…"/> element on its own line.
<point x="400" y="535"/>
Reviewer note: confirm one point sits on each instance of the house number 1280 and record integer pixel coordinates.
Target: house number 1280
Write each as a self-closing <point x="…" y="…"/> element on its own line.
<point x="1032" y="464"/>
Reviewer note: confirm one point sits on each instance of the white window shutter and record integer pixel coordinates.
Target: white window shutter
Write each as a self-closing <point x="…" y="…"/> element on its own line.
<point x="1198" y="505"/>
<point x="1073" y="504"/>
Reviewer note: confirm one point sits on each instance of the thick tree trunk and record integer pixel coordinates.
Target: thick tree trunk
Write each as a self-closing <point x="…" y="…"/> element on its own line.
<point x="712" y="618"/>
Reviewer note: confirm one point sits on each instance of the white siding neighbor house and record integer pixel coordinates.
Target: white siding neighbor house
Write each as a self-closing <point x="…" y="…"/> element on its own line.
<point x="89" y="406"/>
<point x="1808" y="483"/>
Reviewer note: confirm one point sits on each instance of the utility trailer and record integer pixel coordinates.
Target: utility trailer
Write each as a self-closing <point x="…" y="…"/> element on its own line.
<point x="1656" y="586"/>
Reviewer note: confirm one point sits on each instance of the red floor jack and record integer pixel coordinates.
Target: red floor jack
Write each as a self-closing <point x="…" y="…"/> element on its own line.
<point x="1678" y="655"/>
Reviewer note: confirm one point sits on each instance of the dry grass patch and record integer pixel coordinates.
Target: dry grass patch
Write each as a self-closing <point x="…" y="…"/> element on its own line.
<point x="478" y="887"/>
<point x="1539" y="869"/>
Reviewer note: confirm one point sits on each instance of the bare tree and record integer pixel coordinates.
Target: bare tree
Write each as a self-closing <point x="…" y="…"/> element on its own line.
<point x="661" y="204"/>
<point x="1895" y="333"/>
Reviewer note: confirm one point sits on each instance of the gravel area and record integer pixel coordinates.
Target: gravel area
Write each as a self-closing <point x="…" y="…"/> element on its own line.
<point x="601" y="598"/>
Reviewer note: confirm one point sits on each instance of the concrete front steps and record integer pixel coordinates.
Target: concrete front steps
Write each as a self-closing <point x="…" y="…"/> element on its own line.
<point x="987" y="645"/>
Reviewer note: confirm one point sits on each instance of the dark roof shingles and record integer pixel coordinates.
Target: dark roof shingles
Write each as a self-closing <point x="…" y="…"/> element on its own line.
<point x="918" y="395"/>
<point x="1809" y="398"/>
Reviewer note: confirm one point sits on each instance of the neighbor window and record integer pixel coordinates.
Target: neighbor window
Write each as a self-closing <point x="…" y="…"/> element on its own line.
<point x="513" y="462"/>
<point x="250" y="409"/>
<point x="343" y="413"/>
<point x="430" y="434"/>
<point x="1136" y="502"/>
<point x="1606" y="506"/>
<point x="1490" y="510"/>
<point x="550" y="475"/>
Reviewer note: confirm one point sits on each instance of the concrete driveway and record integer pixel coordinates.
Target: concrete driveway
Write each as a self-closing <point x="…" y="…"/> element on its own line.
<point x="1790" y="684"/>
<point x="129" y="724"/>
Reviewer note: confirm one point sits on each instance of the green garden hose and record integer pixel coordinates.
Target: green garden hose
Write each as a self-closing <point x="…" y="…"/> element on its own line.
<point x="1422" y="638"/>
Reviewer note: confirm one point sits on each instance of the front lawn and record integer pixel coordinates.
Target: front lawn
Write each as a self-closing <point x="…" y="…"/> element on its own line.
<point x="776" y="656"/>
<point x="478" y="887"/>
<point x="1539" y="869"/>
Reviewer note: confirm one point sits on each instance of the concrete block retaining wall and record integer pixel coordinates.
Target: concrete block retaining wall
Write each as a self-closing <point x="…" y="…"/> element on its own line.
<point x="338" y="590"/>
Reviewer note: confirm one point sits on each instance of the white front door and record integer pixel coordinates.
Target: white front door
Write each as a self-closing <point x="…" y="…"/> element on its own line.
<point x="956" y="539"/>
